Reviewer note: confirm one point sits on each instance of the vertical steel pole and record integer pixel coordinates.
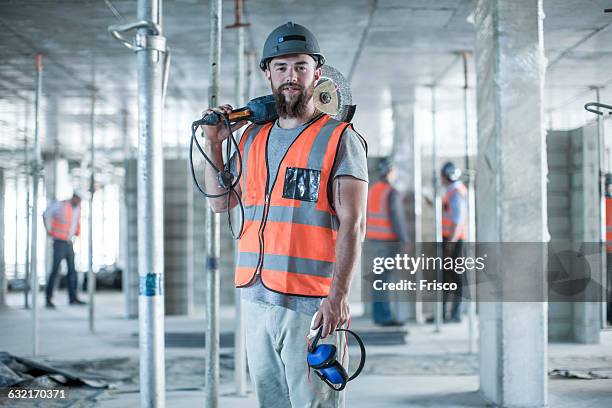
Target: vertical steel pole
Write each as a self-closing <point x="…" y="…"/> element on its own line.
<point x="250" y="84"/>
<point x="36" y="165"/>
<point x="437" y="207"/>
<point x="212" y="230"/>
<point x="151" y="209"/>
<point x="26" y="160"/>
<point x="91" y="279"/>
<point x="471" y="209"/>
<point x="16" y="222"/>
<point x="239" y="333"/>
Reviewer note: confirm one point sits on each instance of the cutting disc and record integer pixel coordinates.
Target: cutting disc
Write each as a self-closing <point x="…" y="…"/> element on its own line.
<point x="334" y="97"/>
<point x="326" y="97"/>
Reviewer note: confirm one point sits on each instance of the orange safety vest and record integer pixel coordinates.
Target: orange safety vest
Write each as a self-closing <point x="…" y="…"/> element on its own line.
<point x="290" y="242"/>
<point x="379" y="225"/>
<point x="61" y="222"/>
<point x="609" y="224"/>
<point x="447" y="221"/>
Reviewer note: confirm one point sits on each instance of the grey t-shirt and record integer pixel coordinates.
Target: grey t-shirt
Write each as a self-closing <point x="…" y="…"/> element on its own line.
<point x="350" y="161"/>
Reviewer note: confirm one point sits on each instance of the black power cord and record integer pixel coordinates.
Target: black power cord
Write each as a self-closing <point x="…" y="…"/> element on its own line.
<point x="228" y="179"/>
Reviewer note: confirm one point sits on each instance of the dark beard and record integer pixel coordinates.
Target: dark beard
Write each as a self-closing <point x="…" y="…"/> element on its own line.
<point x="295" y="108"/>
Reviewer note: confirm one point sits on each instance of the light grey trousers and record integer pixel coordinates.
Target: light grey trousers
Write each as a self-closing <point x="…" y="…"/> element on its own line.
<point x="276" y="343"/>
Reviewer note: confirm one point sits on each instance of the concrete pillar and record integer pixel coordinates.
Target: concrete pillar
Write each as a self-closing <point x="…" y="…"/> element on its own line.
<point x="131" y="213"/>
<point x="511" y="166"/>
<point x="573" y="208"/>
<point x="178" y="237"/>
<point x="3" y="282"/>
<point x="407" y="157"/>
<point x="585" y="215"/>
<point x="126" y="255"/>
<point x="51" y="149"/>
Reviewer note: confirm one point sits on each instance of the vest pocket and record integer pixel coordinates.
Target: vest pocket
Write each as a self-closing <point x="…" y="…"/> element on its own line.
<point x="302" y="184"/>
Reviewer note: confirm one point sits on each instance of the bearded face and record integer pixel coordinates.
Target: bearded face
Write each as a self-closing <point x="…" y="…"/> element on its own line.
<point x="292" y="79"/>
<point x="292" y="99"/>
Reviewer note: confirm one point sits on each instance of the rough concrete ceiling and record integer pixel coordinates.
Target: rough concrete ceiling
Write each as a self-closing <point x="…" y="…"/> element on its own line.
<point x="397" y="45"/>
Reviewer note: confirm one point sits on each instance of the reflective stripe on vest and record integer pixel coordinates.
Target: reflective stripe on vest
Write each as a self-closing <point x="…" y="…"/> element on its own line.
<point x="62" y="221"/>
<point x="379" y="225"/>
<point x="447" y="220"/>
<point x="290" y="242"/>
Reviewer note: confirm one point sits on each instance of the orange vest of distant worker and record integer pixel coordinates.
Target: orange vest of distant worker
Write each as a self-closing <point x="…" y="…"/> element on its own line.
<point x="289" y="235"/>
<point x="609" y="223"/>
<point x="447" y="220"/>
<point x="379" y="225"/>
<point x="61" y="222"/>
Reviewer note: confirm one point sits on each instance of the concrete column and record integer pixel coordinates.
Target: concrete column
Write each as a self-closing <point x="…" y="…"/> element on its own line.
<point x="126" y="256"/>
<point x="407" y="156"/>
<point x="3" y="282"/>
<point x="586" y="319"/>
<point x="131" y="212"/>
<point x="51" y="149"/>
<point x="178" y="238"/>
<point x="511" y="166"/>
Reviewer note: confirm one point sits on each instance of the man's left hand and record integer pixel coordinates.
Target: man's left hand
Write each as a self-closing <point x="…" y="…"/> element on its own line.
<point x="333" y="313"/>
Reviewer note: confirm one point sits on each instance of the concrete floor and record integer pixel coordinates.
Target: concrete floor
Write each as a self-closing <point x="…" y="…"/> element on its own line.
<point x="431" y="370"/>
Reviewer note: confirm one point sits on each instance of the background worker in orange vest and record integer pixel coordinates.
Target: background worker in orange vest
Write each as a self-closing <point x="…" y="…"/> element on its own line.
<point x="454" y="227"/>
<point x="609" y="244"/>
<point x="386" y="225"/>
<point x="63" y="222"/>
<point x="304" y="188"/>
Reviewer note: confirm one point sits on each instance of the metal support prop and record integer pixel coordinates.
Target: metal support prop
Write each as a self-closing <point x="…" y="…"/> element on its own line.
<point x="16" y="267"/>
<point x="471" y="209"/>
<point x="36" y="167"/>
<point x="151" y="208"/>
<point x="250" y="84"/>
<point x="437" y="207"/>
<point x="240" y="375"/>
<point x="152" y="56"/>
<point x="26" y="160"/>
<point x="91" y="279"/>
<point x="213" y="238"/>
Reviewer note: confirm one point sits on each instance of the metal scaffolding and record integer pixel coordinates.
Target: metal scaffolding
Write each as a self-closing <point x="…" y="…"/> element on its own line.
<point x="437" y="207"/>
<point x="152" y="58"/>
<point x="471" y="208"/>
<point x="240" y="373"/>
<point x="211" y="370"/>
<point x="91" y="279"/>
<point x="36" y="167"/>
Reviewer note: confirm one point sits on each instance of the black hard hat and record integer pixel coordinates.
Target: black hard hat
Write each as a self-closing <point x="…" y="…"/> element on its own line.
<point x="384" y="166"/>
<point x="290" y="38"/>
<point x="450" y="171"/>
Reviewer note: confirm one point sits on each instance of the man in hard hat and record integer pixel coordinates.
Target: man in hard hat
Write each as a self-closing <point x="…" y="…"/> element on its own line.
<point x="304" y="188"/>
<point x="62" y="221"/>
<point x="454" y="228"/>
<point x="386" y="226"/>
